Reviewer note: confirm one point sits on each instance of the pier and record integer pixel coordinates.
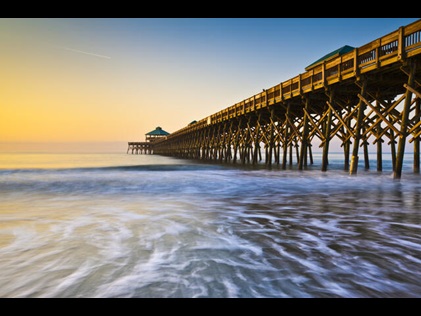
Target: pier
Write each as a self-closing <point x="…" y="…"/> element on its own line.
<point x="357" y="95"/>
<point x="146" y="146"/>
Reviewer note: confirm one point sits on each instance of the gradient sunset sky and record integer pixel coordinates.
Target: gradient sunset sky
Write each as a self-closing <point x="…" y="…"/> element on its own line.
<point x="81" y="80"/>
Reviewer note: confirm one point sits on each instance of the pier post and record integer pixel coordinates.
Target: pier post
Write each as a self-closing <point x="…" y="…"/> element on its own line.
<point x="325" y="159"/>
<point x="379" y="149"/>
<point x="417" y="139"/>
<point x="392" y="144"/>
<point x="285" y="145"/>
<point x="361" y="108"/>
<point x="347" y="146"/>
<point x="304" y="140"/>
<point x="271" y="137"/>
<point x="310" y="153"/>
<point x="256" y="141"/>
<point x="236" y="140"/>
<point x="366" y="156"/>
<point x="377" y="134"/>
<point x="347" y="142"/>
<point x="404" y="123"/>
<point x="327" y="125"/>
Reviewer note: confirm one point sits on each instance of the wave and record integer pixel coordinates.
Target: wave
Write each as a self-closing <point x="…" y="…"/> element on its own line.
<point x="147" y="168"/>
<point x="125" y="179"/>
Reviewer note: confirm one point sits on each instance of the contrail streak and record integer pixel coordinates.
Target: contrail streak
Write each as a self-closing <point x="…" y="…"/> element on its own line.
<point x="87" y="53"/>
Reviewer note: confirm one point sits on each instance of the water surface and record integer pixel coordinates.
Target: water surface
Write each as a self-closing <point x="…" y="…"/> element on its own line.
<point x="118" y="225"/>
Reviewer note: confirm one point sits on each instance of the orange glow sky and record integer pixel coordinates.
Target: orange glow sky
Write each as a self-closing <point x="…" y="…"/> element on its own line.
<point x="113" y="80"/>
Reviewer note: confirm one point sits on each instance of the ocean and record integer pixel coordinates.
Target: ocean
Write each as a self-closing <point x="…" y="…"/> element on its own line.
<point x="119" y="225"/>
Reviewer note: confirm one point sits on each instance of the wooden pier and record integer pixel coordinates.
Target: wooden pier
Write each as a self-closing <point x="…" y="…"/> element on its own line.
<point x="146" y="147"/>
<point x="357" y="95"/>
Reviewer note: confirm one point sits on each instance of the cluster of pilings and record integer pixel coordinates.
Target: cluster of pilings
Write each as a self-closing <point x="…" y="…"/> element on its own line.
<point x="140" y="148"/>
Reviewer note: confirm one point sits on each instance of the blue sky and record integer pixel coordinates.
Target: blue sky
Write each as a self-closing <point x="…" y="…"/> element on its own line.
<point x="115" y="79"/>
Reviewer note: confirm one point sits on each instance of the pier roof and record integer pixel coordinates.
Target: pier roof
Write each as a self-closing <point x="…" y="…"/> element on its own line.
<point x="157" y="132"/>
<point x="335" y="53"/>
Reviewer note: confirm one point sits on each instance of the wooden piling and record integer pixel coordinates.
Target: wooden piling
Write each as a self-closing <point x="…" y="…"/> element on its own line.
<point x="303" y="155"/>
<point x="379" y="150"/>
<point x="327" y="125"/>
<point x="361" y="108"/>
<point x="404" y="123"/>
<point x="286" y="138"/>
<point x="417" y="138"/>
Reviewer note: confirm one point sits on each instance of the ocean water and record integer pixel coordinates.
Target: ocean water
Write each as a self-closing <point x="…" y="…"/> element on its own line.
<point x="148" y="226"/>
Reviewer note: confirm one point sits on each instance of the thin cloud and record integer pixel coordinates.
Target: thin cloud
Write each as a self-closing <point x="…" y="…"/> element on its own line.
<point x="86" y="53"/>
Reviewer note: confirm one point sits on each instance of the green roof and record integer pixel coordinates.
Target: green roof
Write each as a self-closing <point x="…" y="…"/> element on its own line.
<point x="335" y="53"/>
<point x="158" y="131"/>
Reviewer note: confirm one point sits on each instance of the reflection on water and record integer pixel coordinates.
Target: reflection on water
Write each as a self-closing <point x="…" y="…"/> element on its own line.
<point x="180" y="229"/>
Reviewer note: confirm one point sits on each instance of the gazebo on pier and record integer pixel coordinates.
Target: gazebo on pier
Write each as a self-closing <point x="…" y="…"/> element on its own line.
<point x="157" y="133"/>
<point x="146" y="146"/>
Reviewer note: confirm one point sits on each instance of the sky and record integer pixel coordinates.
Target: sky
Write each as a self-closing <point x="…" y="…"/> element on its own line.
<point x="82" y="81"/>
